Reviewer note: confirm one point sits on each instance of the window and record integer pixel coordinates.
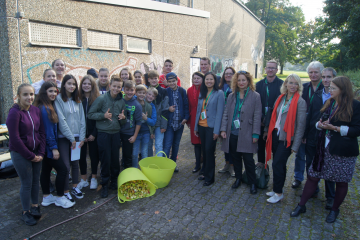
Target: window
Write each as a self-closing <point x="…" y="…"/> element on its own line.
<point x="54" y="35"/>
<point x="105" y="41"/>
<point x="139" y="45"/>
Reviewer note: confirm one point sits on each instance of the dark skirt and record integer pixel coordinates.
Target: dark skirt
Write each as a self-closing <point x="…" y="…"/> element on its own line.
<point x="336" y="168"/>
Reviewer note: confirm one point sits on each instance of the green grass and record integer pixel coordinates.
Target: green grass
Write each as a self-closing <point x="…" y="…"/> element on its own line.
<point x="302" y="74"/>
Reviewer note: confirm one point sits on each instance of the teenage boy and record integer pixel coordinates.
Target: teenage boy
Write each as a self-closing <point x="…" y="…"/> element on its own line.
<point x="162" y="111"/>
<point x="148" y="120"/>
<point x="178" y="116"/>
<point x="205" y="66"/>
<point x="151" y="95"/>
<point x="103" y="81"/>
<point x="130" y="130"/>
<point x="168" y="67"/>
<point x="107" y="110"/>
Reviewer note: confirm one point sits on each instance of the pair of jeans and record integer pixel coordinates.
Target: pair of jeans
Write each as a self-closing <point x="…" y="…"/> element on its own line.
<point x="29" y="174"/>
<point x="238" y="158"/>
<point x="94" y="157"/>
<point x="109" y="154"/>
<point x="64" y="146"/>
<point x="61" y="173"/>
<point x="142" y="141"/>
<point x="329" y="185"/>
<point x="127" y="150"/>
<point x="300" y="163"/>
<point x="172" y="141"/>
<point x="159" y="141"/>
<point x="281" y="154"/>
<point x="261" y="147"/>
<point x="208" y="146"/>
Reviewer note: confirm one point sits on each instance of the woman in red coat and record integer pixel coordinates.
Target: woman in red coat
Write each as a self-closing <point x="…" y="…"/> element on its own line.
<point x="193" y="96"/>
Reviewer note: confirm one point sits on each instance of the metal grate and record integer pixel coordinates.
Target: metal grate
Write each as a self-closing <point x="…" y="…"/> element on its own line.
<point x="101" y="40"/>
<point x="139" y="45"/>
<point x="47" y="34"/>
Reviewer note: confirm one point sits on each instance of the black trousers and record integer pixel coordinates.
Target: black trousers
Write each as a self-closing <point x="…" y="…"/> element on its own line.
<point x="261" y="147"/>
<point x="208" y="146"/>
<point x="310" y="151"/>
<point x="109" y="154"/>
<point x="127" y="150"/>
<point x="281" y="155"/>
<point x="94" y="157"/>
<point x="197" y="149"/>
<point x="238" y="157"/>
<point x="61" y="173"/>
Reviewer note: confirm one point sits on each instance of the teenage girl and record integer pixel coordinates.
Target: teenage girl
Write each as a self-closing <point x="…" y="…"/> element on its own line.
<point x="138" y="76"/>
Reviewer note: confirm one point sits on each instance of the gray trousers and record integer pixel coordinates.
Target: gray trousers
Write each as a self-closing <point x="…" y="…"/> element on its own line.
<point x="29" y="173"/>
<point x="64" y="146"/>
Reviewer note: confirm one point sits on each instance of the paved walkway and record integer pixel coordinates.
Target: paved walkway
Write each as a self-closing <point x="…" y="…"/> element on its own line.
<point x="187" y="210"/>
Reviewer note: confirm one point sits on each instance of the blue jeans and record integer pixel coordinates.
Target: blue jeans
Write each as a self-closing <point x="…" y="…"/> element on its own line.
<point x="172" y="140"/>
<point x="300" y="163"/>
<point x="159" y="139"/>
<point x="143" y="141"/>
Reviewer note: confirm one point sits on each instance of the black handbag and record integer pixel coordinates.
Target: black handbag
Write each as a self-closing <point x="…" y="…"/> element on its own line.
<point x="262" y="176"/>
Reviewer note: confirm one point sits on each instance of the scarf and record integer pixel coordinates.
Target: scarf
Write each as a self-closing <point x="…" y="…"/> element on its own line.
<point x="288" y="127"/>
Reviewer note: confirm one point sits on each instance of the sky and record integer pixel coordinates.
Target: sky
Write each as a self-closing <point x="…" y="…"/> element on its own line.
<point x="311" y="8"/>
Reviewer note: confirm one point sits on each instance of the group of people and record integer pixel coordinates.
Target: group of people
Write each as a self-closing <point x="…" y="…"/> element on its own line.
<point x="135" y="110"/>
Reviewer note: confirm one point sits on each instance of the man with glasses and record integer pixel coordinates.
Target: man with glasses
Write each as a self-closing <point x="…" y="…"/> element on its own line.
<point x="314" y="114"/>
<point x="269" y="90"/>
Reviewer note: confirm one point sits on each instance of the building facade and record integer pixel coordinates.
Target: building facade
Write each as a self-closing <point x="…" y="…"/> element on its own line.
<point x="138" y="34"/>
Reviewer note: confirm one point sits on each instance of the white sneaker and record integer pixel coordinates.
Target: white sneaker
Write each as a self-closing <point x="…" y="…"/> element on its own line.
<point x="225" y="168"/>
<point x="48" y="200"/>
<point x="270" y="194"/>
<point x="232" y="171"/>
<point x="276" y="198"/>
<point x="64" y="202"/>
<point x="68" y="196"/>
<point x="93" y="183"/>
<point x="82" y="184"/>
<point x="77" y="193"/>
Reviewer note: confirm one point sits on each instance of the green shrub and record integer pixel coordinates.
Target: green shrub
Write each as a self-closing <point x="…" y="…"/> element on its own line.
<point x="353" y="75"/>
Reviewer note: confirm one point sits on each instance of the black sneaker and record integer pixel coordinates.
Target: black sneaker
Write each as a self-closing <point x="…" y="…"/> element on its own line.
<point x="77" y="193"/>
<point x="113" y="185"/>
<point x="35" y="212"/>
<point x="68" y="196"/>
<point x="28" y="219"/>
<point x="176" y="169"/>
<point x="296" y="184"/>
<point x="104" y="191"/>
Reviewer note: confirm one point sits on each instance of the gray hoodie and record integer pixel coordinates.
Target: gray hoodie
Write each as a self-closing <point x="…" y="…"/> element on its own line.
<point x="71" y="119"/>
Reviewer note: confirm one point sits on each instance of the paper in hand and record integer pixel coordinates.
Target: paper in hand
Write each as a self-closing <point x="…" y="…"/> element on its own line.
<point x="75" y="153"/>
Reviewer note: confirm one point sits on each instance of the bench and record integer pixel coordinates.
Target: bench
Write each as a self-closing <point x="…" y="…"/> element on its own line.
<point x="3" y="138"/>
<point x="5" y="157"/>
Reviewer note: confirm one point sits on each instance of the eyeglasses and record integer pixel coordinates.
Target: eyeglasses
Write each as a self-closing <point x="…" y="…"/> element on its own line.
<point x="271" y="68"/>
<point x="242" y="72"/>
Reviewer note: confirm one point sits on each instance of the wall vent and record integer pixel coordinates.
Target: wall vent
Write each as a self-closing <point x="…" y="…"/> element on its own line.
<point x="104" y="41"/>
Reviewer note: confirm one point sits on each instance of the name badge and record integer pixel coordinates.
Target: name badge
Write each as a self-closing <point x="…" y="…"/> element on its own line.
<point x="203" y="115"/>
<point x="237" y="124"/>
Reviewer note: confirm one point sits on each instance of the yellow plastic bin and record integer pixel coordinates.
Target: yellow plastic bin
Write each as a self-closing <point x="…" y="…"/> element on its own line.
<point x="159" y="170"/>
<point x="131" y="174"/>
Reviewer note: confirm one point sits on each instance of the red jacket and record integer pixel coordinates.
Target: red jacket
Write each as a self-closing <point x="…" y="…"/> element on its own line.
<point x="193" y="96"/>
<point x="163" y="77"/>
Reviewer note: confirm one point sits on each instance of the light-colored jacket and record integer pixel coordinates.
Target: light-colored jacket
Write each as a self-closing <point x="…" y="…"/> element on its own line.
<point x="250" y="122"/>
<point x="71" y="119"/>
<point x="214" y="110"/>
<point x="300" y="122"/>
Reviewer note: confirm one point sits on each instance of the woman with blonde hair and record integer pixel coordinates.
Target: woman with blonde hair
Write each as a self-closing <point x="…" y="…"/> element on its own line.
<point x="285" y="132"/>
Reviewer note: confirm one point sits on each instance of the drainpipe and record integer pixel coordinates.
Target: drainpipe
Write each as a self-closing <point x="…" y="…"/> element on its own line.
<point x="19" y="16"/>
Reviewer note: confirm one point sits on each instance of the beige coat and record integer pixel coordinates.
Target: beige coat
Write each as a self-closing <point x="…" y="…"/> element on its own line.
<point x="300" y="122"/>
<point x="250" y="122"/>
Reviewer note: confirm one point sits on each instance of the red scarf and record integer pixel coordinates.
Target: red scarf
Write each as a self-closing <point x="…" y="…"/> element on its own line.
<point x="289" y="126"/>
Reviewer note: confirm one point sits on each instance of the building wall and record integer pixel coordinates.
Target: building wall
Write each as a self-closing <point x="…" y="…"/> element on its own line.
<point x="222" y="37"/>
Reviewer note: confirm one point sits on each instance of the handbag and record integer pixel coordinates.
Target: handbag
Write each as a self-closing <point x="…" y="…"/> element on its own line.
<point x="262" y="176"/>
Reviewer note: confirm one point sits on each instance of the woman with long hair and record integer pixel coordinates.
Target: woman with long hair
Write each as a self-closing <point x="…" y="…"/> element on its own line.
<point x="240" y="127"/>
<point x="88" y="93"/>
<point x="225" y="85"/>
<point x="337" y="146"/>
<point x="45" y="102"/>
<point x="72" y="129"/>
<point x="27" y="149"/>
<point x="193" y="97"/>
<point x="209" y="112"/>
<point x="285" y="132"/>
<point x="138" y="76"/>
<point x="125" y="74"/>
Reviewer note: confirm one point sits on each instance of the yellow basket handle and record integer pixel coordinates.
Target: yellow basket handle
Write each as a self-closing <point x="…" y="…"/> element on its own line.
<point x="163" y="153"/>
<point x="153" y="164"/>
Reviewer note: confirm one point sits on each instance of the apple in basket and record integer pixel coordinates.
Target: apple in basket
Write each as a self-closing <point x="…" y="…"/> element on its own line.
<point x="135" y="189"/>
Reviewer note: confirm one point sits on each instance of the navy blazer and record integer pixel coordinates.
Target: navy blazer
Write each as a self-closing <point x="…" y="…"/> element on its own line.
<point x="214" y="110"/>
<point x="183" y="104"/>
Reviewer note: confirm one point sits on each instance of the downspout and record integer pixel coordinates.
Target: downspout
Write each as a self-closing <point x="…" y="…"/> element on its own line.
<point x="18" y="16"/>
<point x="192" y="3"/>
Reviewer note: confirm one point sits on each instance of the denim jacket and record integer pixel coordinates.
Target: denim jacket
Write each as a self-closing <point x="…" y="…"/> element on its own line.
<point x="183" y="104"/>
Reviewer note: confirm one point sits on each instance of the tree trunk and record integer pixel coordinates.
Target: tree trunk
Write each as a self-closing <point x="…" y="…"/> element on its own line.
<point x="281" y="68"/>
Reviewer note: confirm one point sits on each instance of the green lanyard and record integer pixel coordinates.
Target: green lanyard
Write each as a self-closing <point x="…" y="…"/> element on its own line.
<point x="226" y="93"/>
<point x="207" y="99"/>
<point x="267" y="94"/>
<point x="240" y="105"/>
<point x="285" y="106"/>
<point x="311" y="97"/>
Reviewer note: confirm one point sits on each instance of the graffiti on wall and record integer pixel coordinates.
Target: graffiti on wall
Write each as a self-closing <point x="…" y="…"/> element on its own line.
<point x="219" y="63"/>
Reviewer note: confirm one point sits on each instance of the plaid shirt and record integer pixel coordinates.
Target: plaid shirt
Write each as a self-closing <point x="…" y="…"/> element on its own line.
<point x="176" y="122"/>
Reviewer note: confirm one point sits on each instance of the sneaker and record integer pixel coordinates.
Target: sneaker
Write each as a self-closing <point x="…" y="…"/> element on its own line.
<point x="270" y="194"/>
<point x="28" y="219"/>
<point x="35" y="212"/>
<point x="296" y="184"/>
<point x="48" y="200"/>
<point x="68" y="196"/>
<point x="225" y="168"/>
<point x="104" y="191"/>
<point x="64" y="202"/>
<point x="232" y="171"/>
<point x="93" y="183"/>
<point x="82" y="184"/>
<point x="77" y="193"/>
<point x="275" y="198"/>
<point x="176" y="169"/>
